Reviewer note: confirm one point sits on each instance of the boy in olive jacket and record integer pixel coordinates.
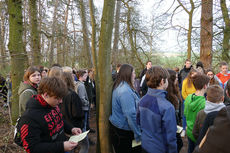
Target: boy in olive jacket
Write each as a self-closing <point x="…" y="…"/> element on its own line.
<point x="193" y="104"/>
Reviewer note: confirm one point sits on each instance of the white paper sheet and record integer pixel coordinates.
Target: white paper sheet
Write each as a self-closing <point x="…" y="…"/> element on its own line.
<point x="135" y="143"/>
<point x="179" y="129"/>
<point x="77" y="138"/>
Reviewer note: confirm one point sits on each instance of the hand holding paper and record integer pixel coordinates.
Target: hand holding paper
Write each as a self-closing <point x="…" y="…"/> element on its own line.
<point x="77" y="138"/>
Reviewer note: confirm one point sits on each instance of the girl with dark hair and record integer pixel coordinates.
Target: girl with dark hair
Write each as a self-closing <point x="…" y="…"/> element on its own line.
<point x="174" y="97"/>
<point x="211" y="75"/>
<point x="28" y="87"/>
<point x="124" y="127"/>
<point x="71" y="108"/>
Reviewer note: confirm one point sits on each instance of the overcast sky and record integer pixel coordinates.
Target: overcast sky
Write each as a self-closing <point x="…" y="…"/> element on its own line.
<point x="169" y="37"/>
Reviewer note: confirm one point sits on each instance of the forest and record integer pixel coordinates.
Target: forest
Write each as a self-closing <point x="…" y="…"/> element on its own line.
<point x="97" y="34"/>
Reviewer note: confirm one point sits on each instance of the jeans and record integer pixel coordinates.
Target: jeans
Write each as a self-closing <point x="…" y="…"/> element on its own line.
<point x="84" y="144"/>
<point x="183" y="118"/>
<point x="191" y="146"/>
<point x="86" y="114"/>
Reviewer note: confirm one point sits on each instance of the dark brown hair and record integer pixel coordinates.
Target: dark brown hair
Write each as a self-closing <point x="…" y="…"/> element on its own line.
<point x="189" y="77"/>
<point x="124" y="74"/>
<point x="223" y="63"/>
<point x="67" y="77"/>
<point x="212" y="80"/>
<point x="215" y="93"/>
<point x="200" y="80"/>
<point x="187" y="60"/>
<point x="172" y="89"/>
<point x="30" y="71"/>
<point x="154" y="76"/>
<point x="80" y="73"/>
<point x="53" y="86"/>
<point x="148" y="62"/>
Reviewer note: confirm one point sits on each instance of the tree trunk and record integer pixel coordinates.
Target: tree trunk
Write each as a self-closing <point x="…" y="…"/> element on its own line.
<point x="105" y="75"/>
<point x="2" y="37"/>
<point x="74" y="37"/>
<point x="35" y="40"/>
<point x="59" y="51"/>
<point x="95" y="63"/>
<point x="226" y="43"/>
<point x="85" y="33"/>
<point x="189" y="35"/>
<point x="16" y="52"/>
<point x="65" y="49"/>
<point x="206" y="33"/>
<point x="25" y="21"/>
<point x="132" y="43"/>
<point x="51" y="54"/>
<point x="116" y="33"/>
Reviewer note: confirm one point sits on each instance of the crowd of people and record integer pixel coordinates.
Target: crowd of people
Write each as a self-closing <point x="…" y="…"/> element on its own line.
<point x="193" y="98"/>
<point x="149" y="109"/>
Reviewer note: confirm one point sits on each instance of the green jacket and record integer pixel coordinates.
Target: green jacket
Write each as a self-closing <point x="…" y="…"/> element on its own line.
<point x="25" y="92"/>
<point x="192" y="105"/>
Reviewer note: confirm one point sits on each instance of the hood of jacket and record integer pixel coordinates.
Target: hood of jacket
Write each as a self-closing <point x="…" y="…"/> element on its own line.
<point x="37" y="102"/>
<point x="211" y="107"/>
<point x="195" y="102"/>
<point x="23" y="86"/>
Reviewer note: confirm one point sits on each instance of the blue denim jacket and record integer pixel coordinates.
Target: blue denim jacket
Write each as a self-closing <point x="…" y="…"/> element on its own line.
<point x="124" y="106"/>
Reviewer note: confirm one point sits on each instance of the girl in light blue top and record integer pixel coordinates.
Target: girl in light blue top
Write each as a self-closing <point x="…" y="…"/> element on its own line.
<point x="124" y="127"/>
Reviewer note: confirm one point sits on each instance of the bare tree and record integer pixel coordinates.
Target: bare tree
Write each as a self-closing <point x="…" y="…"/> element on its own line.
<point x="116" y="32"/>
<point x="189" y="35"/>
<point x="85" y="33"/>
<point x="206" y="33"/>
<point x="35" y="39"/>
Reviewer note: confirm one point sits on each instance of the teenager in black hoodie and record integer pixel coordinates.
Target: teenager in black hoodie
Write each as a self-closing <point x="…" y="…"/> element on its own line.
<point x="42" y="126"/>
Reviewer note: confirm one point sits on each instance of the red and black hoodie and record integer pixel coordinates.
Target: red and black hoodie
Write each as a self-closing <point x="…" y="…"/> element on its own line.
<point x="43" y="128"/>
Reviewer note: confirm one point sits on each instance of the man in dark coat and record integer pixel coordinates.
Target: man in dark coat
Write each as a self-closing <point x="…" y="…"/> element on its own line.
<point x="184" y="72"/>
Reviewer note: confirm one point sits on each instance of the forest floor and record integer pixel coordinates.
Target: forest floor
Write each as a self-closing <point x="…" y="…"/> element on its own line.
<point x="7" y="131"/>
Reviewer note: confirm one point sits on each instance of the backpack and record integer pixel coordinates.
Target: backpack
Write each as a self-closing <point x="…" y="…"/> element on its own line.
<point x="17" y="133"/>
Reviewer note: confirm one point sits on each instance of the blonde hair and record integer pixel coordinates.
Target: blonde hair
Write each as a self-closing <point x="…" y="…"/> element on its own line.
<point x="55" y="72"/>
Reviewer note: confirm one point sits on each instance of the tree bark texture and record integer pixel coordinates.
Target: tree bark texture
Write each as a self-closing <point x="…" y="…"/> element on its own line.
<point x="17" y="53"/>
<point x="206" y="33"/>
<point x="105" y="75"/>
<point x="95" y="63"/>
<point x="116" y="32"/>
<point x="35" y="39"/>
<point x="2" y="36"/>
<point x="85" y="33"/>
<point x="53" y="35"/>
<point x="226" y="39"/>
